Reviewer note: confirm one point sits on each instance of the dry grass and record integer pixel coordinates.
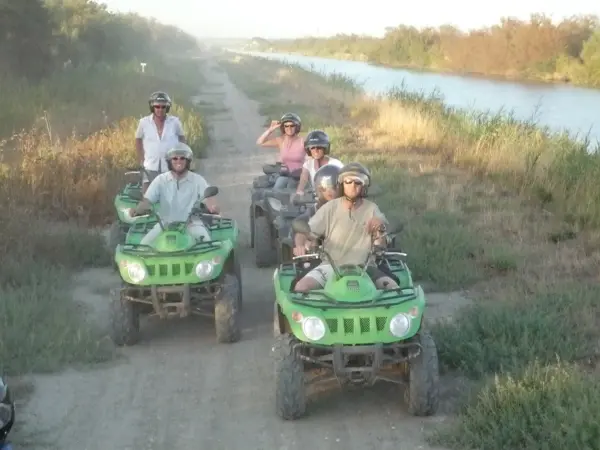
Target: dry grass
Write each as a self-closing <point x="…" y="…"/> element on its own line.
<point x="492" y="206"/>
<point x="54" y="173"/>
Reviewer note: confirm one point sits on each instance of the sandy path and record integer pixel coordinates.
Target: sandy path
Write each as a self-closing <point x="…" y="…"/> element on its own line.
<point x="178" y="389"/>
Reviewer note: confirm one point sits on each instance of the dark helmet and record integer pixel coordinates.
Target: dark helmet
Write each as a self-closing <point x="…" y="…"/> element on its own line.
<point x="291" y="117"/>
<point x="317" y="138"/>
<point x="160" y="98"/>
<point x="356" y="171"/>
<point x="325" y="178"/>
<point x="7" y="412"/>
<point x="180" y="149"/>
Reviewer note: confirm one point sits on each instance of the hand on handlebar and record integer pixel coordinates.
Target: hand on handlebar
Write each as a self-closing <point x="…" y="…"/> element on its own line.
<point x="374" y="224"/>
<point x="299" y="250"/>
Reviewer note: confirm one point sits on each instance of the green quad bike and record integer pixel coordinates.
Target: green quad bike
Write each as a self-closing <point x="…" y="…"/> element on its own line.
<point x="353" y="331"/>
<point x="127" y="198"/>
<point x="178" y="275"/>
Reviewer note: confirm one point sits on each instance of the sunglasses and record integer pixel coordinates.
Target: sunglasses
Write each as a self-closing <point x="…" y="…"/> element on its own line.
<point x="316" y="148"/>
<point x="177" y="158"/>
<point x="159" y="106"/>
<point x="355" y="182"/>
<point x="289" y="126"/>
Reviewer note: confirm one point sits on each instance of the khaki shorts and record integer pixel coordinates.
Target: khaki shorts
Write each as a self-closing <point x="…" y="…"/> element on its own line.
<point x="324" y="272"/>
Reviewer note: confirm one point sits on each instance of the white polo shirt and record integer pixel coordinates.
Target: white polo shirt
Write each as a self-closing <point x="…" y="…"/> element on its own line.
<point x="309" y="165"/>
<point x="177" y="197"/>
<point x="155" y="146"/>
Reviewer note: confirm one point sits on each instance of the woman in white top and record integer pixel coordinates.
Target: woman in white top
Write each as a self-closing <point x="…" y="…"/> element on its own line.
<point x="317" y="147"/>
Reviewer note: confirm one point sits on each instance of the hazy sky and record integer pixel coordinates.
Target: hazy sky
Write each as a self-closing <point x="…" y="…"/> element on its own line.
<point x="248" y="18"/>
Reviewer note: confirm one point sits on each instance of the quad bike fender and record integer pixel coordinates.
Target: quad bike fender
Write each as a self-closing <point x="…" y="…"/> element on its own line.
<point x="162" y="269"/>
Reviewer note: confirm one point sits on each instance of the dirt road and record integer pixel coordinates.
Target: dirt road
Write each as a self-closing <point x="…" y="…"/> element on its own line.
<point x="178" y="389"/>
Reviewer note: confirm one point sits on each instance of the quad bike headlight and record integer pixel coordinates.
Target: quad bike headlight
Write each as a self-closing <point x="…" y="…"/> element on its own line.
<point x="6" y="409"/>
<point x="399" y="325"/>
<point x="5" y="414"/>
<point x="204" y="269"/>
<point x="274" y="203"/>
<point x="136" y="272"/>
<point x="313" y="328"/>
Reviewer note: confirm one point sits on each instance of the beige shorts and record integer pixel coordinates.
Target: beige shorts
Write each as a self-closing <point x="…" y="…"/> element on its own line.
<point x="321" y="274"/>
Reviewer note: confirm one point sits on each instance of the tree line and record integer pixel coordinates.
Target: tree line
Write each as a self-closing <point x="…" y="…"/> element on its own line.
<point x="39" y="36"/>
<point x="533" y="49"/>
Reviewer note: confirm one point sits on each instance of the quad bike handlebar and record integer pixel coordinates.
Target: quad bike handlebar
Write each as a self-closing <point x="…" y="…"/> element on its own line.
<point x="377" y="251"/>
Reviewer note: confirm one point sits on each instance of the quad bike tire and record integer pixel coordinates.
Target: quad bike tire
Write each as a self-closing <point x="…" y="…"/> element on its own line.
<point x="265" y="254"/>
<point x="238" y="273"/>
<point x="116" y="236"/>
<point x="124" y="321"/>
<point x="290" y="393"/>
<point x="251" y="227"/>
<point x="227" y="324"/>
<point x="422" y="393"/>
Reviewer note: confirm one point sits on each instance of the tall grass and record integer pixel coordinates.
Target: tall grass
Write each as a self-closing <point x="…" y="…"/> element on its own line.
<point x="558" y="169"/>
<point x="74" y="139"/>
<point x="495" y="205"/>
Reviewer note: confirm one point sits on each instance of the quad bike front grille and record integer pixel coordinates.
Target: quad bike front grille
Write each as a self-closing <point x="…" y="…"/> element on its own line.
<point x="166" y="270"/>
<point x="356" y="325"/>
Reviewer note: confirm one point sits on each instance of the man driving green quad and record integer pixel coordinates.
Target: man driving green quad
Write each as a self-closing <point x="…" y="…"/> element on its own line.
<point x="177" y="190"/>
<point x="347" y="225"/>
<point x="325" y="183"/>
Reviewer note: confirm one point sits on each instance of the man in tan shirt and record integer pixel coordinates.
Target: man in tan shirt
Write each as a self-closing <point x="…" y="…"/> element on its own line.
<point x="347" y="225"/>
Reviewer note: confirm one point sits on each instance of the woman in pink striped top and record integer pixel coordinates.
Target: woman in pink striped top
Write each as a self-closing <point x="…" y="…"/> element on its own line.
<point x="290" y="145"/>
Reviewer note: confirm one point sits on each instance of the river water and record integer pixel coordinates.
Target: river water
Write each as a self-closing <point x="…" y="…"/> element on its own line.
<point x="560" y="107"/>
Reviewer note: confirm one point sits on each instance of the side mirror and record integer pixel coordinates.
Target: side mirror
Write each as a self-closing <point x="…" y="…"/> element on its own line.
<point x="301" y="226"/>
<point x="211" y="191"/>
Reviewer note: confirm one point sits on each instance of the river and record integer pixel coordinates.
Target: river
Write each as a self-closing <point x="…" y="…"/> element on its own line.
<point x="560" y="107"/>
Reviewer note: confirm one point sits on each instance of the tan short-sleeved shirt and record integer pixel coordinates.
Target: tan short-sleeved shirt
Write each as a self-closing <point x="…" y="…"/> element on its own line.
<point x="345" y="233"/>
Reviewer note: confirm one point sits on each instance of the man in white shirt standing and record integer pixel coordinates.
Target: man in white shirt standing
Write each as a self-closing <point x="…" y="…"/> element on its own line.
<point x="155" y="135"/>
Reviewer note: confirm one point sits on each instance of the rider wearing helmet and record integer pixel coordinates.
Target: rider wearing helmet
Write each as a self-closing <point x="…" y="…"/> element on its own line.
<point x="290" y="145"/>
<point x="326" y="189"/>
<point x="317" y="147"/>
<point x="156" y="134"/>
<point x="347" y="225"/>
<point x="177" y="190"/>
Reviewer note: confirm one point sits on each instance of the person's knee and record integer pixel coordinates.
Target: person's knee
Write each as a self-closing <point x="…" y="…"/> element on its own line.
<point x="307" y="284"/>
<point x="386" y="283"/>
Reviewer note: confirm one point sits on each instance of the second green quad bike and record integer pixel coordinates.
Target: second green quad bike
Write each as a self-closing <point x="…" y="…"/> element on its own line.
<point x="127" y="198"/>
<point x="178" y="275"/>
<point x="352" y="331"/>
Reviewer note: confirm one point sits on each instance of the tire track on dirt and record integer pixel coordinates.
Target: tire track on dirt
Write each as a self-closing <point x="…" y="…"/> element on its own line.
<point x="179" y="389"/>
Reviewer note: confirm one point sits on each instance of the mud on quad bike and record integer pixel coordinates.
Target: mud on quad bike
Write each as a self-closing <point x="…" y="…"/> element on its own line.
<point x="125" y="199"/>
<point x="178" y="275"/>
<point x="7" y="415"/>
<point x="262" y="215"/>
<point x="355" y="332"/>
